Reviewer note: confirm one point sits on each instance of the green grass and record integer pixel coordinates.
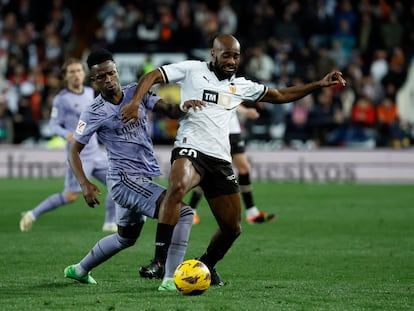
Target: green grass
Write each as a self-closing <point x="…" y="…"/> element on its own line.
<point x="333" y="247"/>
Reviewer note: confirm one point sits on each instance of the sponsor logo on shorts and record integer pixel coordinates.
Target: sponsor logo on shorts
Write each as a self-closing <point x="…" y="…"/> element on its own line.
<point x="232" y="178"/>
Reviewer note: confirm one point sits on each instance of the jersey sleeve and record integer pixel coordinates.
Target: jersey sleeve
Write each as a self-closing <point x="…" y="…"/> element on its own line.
<point x="150" y="99"/>
<point x="254" y="92"/>
<point x="175" y="72"/>
<point x="87" y="126"/>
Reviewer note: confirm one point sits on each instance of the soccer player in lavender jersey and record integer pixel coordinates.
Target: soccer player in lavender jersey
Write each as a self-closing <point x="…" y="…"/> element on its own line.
<point x="202" y="150"/>
<point x="132" y="165"/>
<point x="67" y="107"/>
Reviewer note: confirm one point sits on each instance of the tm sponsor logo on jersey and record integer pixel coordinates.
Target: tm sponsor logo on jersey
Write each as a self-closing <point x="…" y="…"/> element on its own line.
<point x="210" y="97"/>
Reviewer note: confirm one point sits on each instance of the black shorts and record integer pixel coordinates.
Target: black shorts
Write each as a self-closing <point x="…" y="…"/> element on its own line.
<point x="236" y="144"/>
<point x="217" y="176"/>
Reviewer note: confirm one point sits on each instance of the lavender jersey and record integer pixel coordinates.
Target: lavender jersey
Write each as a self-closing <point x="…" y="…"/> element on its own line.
<point x="129" y="146"/>
<point x="207" y="130"/>
<point x="66" y="110"/>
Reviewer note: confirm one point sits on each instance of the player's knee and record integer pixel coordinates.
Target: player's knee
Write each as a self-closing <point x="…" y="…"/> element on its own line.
<point x="244" y="169"/>
<point x="231" y="233"/>
<point x="178" y="191"/>
<point x="234" y="231"/>
<point x="126" y="242"/>
<point x="71" y="196"/>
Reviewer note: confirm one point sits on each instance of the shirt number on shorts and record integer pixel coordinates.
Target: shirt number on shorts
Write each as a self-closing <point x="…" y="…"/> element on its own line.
<point x="188" y="152"/>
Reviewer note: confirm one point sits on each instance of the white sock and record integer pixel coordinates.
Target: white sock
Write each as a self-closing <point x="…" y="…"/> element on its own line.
<point x="31" y="215"/>
<point x="251" y="212"/>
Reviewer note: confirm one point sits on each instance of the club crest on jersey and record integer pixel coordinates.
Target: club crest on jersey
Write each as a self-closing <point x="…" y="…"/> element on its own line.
<point x="81" y="127"/>
<point x="232" y="88"/>
<point x="210" y="97"/>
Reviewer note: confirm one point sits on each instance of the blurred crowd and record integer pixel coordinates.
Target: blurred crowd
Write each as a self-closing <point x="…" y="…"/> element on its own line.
<point x="284" y="42"/>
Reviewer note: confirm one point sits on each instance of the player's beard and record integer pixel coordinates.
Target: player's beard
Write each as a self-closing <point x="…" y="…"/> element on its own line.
<point x="221" y="74"/>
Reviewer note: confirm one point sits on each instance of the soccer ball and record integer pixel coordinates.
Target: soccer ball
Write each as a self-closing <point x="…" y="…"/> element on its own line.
<point x="192" y="277"/>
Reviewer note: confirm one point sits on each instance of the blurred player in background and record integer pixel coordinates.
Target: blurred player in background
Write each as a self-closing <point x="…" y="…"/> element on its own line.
<point x="67" y="107"/>
<point x="240" y="161"/>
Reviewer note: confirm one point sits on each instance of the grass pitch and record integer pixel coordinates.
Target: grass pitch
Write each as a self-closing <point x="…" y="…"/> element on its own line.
<point x="333" y="247"/>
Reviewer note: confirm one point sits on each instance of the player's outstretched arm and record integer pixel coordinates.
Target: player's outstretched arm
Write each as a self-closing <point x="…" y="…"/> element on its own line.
<point x="292" y="93"/>
<point x="130" y="111"/>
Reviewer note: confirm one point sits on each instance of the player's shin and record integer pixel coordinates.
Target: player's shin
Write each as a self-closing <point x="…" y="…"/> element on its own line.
<point x="179" y="241"/>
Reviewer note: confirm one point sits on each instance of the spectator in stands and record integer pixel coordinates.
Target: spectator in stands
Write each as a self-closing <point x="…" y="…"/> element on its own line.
<point x="324" y="63"/>
<point x="187" y="36"/>
<point x="148" y="31"/>
<point x="260" y="23"/>
<point x="168" y="25"/>
<point x="345" y="38"/>
<point x="298" y="128"/>
<point x="389" y="130"/>
<point x="260" y="65"/>
<point x="61" y="17"/>
<point x="392" y="32"/>
<point x="205" y="20"/>
<point x="6" y="123"/>
<point x="319" y="23"/>
<point x="107" y="9"/>
<point x="362" y="132"/>
<point x="283" y="65"/>
<point x="227" y="18"/>
<point x="325" y="117"/>
<point x="288" y="32"/>
<point x="396" y="75"/>
<point x="379" y="66"/>
<point x="53" y="45"/>
<point x="25" y="129"/>
<point x="114" y="25"/>
<point x="32" y="36"/>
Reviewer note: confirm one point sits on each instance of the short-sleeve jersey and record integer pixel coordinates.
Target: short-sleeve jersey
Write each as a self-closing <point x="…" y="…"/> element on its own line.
<point x="128" y="145"/>
<point x="67" y="107"/>
<point x="207" y="130"/>
<point x="234" y="126"/>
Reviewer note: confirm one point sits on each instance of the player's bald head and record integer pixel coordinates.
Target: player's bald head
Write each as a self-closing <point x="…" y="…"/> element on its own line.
<point x="226" y="42"/>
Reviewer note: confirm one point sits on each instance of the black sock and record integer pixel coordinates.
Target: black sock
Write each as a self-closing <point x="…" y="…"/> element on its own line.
<point x="217" y="249"/>
<point x="246" y="190"/>
<point x="162" y="242"/>
<point x="195" y="198"/>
